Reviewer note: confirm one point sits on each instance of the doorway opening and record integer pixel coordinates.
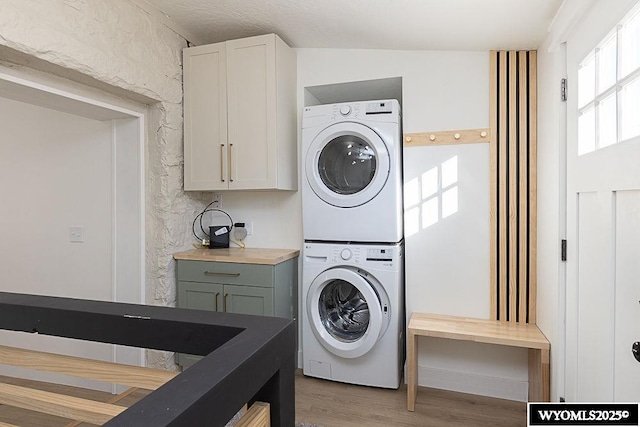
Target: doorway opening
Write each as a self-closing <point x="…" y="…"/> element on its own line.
<point x="72" y="211"/>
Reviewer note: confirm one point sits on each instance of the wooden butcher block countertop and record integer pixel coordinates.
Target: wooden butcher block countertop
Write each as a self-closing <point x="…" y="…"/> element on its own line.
<point x="239" y="255"/>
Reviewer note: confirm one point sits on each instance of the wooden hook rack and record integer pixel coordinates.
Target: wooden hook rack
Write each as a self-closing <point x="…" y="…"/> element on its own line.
<point x="468" y="136"/>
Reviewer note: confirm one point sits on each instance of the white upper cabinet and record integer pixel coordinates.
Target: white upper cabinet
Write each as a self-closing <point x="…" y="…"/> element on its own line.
<point x="240" y="115"/>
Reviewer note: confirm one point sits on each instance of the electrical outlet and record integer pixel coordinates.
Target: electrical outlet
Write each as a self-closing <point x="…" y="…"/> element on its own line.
<point x="76" y="234"/>
<point x="217" y="201"/>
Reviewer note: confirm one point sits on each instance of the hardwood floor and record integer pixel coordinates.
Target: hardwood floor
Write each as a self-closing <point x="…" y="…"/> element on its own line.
<point x="332" y="404"/>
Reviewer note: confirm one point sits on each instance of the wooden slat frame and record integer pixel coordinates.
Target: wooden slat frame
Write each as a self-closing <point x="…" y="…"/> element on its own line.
<point x="513" y="166"/>
<point x="533" y="184"/>
<point x="115" y="399"/>
<point x="85" y="410"/>
<point x="81" y="410"/>
<point x="493" y="183"/>
<point x="57" y="404"/>
<point x="257" y="416"/>
<point x="523" y="191"/>
<point x="502" y="186"/>
<point x="258" y="353"/>
<point x="135" y="376"/>
<point x="512" y="196"/>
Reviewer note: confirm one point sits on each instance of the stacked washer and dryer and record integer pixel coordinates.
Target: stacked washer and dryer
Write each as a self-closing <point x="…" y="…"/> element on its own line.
<point x="353" y="255"/>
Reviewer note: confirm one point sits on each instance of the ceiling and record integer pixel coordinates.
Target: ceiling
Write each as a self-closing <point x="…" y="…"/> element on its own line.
<point x="367" y="24"/>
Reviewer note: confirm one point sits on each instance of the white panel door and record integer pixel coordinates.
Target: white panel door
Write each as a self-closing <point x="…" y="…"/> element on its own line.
<point x="603" y="231"/>
<point x="627" y="320"/>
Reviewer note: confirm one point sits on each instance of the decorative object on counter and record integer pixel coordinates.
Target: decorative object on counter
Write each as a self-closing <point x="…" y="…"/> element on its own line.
<point x="218" y="235"/>
<point x="239" y="232"/>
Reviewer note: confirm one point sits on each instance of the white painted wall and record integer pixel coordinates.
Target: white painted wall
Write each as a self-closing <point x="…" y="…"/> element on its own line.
<point x="275" y="217"/>
<point x="447" y="267"/>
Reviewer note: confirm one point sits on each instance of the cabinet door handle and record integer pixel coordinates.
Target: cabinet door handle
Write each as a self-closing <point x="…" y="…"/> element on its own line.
<point x="216" y="297"/>
<point x="222" y="162"/>
<point x="224" y="302"/>
<point x="220" y="273"/>
<point x="230" y="162"/>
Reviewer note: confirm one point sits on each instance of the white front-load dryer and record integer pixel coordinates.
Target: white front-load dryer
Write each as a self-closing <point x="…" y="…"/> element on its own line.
<point x="352" y="172"/>
<point x="353" y="313"/>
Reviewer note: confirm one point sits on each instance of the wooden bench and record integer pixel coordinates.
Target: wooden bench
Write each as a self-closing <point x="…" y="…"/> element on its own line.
<point x="484" y="331"/>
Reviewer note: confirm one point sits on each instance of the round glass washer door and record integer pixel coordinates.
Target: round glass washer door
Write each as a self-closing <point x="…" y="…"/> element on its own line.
<point x="345" y="311"/>
<point x="347" y="164"/>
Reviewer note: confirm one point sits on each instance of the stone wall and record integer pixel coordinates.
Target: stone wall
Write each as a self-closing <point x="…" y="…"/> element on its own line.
<point x="119" y="48"/>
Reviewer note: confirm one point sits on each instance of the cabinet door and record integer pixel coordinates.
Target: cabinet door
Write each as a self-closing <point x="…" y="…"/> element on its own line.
<point x="205" y="118"/>
<point x="248" y="300"/>
<point x="200" y="296"/>
<point x="251" y="85"/>
<point x="197" y="296"/>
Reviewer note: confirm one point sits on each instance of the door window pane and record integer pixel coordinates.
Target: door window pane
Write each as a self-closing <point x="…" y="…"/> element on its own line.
<point x="630" y="110"/>
<point x="587" y="132"/>
<point x="607" y="64"/>
<point x="630" y="45"/>
<point x="587" y="81"/>
<point x="607" y="122"/>
<point x="609" y="88"/>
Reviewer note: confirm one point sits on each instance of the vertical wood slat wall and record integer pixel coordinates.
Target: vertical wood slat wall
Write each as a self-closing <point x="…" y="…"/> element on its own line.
<point x="513" y="185"/>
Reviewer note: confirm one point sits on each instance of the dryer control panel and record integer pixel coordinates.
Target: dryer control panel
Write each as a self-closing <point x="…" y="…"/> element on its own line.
<point x="379" y="107"/>
<point x="346" y="110"/>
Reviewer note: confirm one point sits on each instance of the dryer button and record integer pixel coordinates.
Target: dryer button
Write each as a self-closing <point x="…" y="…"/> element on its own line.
<point x="345" y="110"/>
<point x="345" y="254"/>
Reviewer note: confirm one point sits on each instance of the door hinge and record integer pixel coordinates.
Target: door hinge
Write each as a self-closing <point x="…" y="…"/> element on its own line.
<point x="563" y="250"/>
<point x="563" y="90"/>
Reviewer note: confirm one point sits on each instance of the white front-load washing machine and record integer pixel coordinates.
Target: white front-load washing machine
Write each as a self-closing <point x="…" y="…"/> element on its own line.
<point x="353" y="316"/>
<point x="352" y="172"/>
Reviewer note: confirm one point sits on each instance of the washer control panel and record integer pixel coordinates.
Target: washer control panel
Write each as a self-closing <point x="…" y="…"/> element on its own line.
<point x="341" y="253"/>
<point x="381" y="256"/>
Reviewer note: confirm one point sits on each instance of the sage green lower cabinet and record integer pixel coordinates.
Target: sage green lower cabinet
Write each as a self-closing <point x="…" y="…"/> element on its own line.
<point x="258" y="289"/>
